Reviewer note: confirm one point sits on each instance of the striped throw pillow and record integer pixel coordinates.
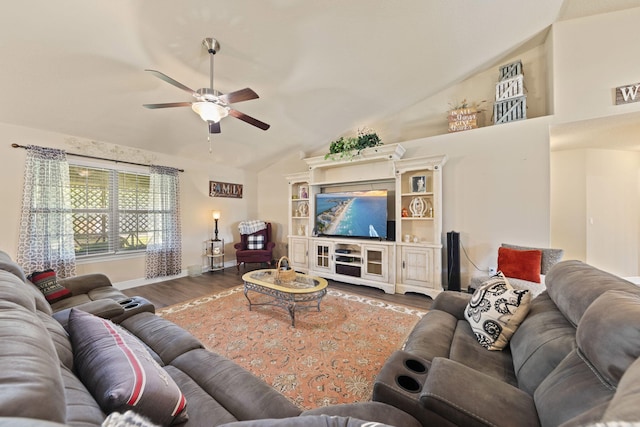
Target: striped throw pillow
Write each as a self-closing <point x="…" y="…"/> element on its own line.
<point x="120" y="373"/>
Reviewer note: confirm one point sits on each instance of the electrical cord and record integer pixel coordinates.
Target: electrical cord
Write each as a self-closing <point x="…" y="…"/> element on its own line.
<point x="467" y="256"/>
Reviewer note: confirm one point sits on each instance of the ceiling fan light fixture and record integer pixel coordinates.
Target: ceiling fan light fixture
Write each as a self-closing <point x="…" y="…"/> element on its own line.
<point x="210" y="111"/>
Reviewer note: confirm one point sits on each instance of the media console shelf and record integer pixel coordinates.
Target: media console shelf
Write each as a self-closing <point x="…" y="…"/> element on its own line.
<point x="411" y="262"/>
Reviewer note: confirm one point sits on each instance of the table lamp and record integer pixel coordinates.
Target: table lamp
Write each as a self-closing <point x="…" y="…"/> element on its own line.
<point x="216" y="217"/>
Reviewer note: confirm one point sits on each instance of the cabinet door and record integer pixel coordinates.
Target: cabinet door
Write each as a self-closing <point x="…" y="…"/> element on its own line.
<point x="322" y="256"/>
<point x="298" y="253"/>
<point x="417" y="266"/>
<point x="376" y="263"/>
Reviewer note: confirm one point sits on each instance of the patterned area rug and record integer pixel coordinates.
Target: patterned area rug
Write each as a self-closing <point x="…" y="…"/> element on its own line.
<point x="330" y="357"/>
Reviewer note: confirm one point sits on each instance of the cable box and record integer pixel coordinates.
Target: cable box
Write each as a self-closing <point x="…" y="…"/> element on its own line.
<point x="345" y="259"/>
<point x="343" y="251"/>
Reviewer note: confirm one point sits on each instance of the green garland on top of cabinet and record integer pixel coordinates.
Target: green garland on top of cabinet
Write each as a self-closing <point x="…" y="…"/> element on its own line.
<point x="350" y="147"/>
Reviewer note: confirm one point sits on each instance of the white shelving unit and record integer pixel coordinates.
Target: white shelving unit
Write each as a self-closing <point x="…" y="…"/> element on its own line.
<point x="214" y="255"/>
<point x="411" y="263"/>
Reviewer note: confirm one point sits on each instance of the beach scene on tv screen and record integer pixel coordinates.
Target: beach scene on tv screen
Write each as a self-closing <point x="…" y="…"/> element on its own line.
<point x="353" y="213"/>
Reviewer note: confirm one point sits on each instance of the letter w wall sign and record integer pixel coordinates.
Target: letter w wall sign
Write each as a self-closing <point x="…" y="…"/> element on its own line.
<point x="628" y="94"/>
<point x="225" y="189"/>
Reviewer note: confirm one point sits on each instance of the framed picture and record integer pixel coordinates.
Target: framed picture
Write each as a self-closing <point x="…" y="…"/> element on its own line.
<point x="419" y="184"/>
<point x="303" y="192"/>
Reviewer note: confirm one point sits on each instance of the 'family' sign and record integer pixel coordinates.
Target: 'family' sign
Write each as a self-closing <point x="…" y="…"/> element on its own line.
<point x="225" y="189"/>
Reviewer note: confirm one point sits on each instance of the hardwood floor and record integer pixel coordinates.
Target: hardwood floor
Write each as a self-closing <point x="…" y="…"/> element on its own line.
<point x="175" y="291"/>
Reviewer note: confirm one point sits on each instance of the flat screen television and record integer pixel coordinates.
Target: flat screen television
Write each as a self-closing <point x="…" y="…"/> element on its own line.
<point x="352" y="214"/>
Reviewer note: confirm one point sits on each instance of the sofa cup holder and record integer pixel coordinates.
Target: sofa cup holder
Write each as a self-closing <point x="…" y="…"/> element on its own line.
<point x="126" y="301"/>
<point x="415" y="366"/>
<point x="408" y="383"/>
<point x="131" y="305"/>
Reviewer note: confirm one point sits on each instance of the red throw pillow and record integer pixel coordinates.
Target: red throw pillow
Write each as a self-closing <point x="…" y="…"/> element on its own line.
<point x="47" y="283"/>
<point x="517" y="264"/>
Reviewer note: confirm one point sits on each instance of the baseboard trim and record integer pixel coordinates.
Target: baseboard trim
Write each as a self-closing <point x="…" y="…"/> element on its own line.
<point x="127" y="284"/>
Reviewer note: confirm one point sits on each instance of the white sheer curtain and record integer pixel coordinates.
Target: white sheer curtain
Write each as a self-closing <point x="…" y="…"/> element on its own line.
<point x="164" y="248"/>
<point x="46" y="226"/>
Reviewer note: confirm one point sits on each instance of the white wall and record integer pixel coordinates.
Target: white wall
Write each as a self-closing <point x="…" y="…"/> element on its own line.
<point x="595" y="196"/>
<point x="597" y="207"/>
<point x="591" y="57"/>
<point x="568" y="203"/>
<point x="495" y="187"/>
<point x="196" y="205"/>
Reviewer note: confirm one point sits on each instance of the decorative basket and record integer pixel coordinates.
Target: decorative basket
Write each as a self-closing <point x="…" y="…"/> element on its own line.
<point x="285" y="275"/>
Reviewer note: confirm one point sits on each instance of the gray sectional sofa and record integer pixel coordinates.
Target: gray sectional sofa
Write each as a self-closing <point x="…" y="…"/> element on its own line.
<point x="573" y="361"/>
<point x="54" y="368"/>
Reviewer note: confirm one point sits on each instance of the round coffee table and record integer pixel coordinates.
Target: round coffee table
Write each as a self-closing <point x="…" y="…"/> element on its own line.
<point x="303" y="292"/>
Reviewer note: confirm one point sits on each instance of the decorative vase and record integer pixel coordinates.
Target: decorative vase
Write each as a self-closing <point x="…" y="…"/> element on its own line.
<point x="417" y="207"/>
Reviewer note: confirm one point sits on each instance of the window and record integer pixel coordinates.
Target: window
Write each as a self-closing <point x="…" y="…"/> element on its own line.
<point x="110" y="210"/>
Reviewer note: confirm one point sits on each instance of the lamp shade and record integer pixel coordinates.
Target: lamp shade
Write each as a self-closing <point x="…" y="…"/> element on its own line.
<point x="216" y="214"/>
<point x="210" y="111"/>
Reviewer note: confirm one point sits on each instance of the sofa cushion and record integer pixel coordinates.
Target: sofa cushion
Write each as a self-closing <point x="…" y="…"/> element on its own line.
<point x="7" y="264"/>
<point x="574" y="285"/>
<point x="48" y="284"/>
<point x="611" y="346"/>
<point x="163" y="337"/>
<point x="519" y="264"/>
<point x="466" y="397"/>
<point x="30" y="380"/>
<point x="119" y="372"/>
<point x="82" y="408"/>
<point x="542" y="340"/>
<point x="209" y="377"/>
<point x="12" y="289"/>
<point x="495" y="312"/>
<point x="624" y="405"/>
<point x="255" y="242"/>
<point x="570" y="390"/>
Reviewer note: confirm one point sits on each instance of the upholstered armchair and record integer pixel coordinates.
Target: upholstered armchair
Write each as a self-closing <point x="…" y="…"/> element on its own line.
<point x="255" y="247"/>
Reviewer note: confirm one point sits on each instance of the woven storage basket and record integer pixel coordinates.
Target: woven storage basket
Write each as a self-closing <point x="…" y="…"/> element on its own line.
<point x="285" y="275"/>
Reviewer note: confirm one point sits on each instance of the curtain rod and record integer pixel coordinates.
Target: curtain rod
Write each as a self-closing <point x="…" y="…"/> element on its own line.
<point x="14" y="145"/>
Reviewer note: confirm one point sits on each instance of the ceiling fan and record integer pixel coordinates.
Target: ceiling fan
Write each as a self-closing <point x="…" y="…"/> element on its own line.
<point x="211" y="105"/>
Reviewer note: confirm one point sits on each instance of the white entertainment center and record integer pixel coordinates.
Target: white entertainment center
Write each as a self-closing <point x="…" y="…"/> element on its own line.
<point x="410" y="258"/>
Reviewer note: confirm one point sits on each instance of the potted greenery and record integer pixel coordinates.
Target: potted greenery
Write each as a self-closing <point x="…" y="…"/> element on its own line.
<point x="349" y="147"/>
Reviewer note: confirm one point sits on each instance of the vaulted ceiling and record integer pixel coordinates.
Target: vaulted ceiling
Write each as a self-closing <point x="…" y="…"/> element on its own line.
<point x="321" y="69"/>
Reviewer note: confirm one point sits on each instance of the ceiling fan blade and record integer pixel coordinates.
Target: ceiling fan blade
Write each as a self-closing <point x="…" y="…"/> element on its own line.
<point x="168" y="105"/>
<point x="176" y="83"/>
<point x="214" y="127"/>
<point x="257" y="123"/>
<point x="239" y="96"/>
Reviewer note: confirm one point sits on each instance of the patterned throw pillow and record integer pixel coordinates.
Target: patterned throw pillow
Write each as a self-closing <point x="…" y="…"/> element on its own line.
<point x="48" y="284"/>
<point x="255" y="242"/>
<point x="120" y="373"/>
<point x="495" y="311"/>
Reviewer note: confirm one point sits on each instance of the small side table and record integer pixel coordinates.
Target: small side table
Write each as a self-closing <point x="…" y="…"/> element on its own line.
<point x="215" y="254"/>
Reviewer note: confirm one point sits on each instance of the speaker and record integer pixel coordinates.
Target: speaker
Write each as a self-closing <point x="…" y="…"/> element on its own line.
<point x="391" y="231"/>
<point x="453" y="260"/>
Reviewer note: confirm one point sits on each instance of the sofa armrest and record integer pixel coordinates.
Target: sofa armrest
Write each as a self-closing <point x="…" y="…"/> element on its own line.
<point x="467" y="397"/>
<point x="87" y="282"/>
<point x="238" y="246"/>
<point x="105" y="308"/>
<point x="452" y="302"/>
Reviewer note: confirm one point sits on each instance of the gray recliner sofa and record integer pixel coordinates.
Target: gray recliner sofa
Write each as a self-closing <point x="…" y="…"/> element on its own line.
<point x="44" y="379"/>
<point x="573" y="361"/>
